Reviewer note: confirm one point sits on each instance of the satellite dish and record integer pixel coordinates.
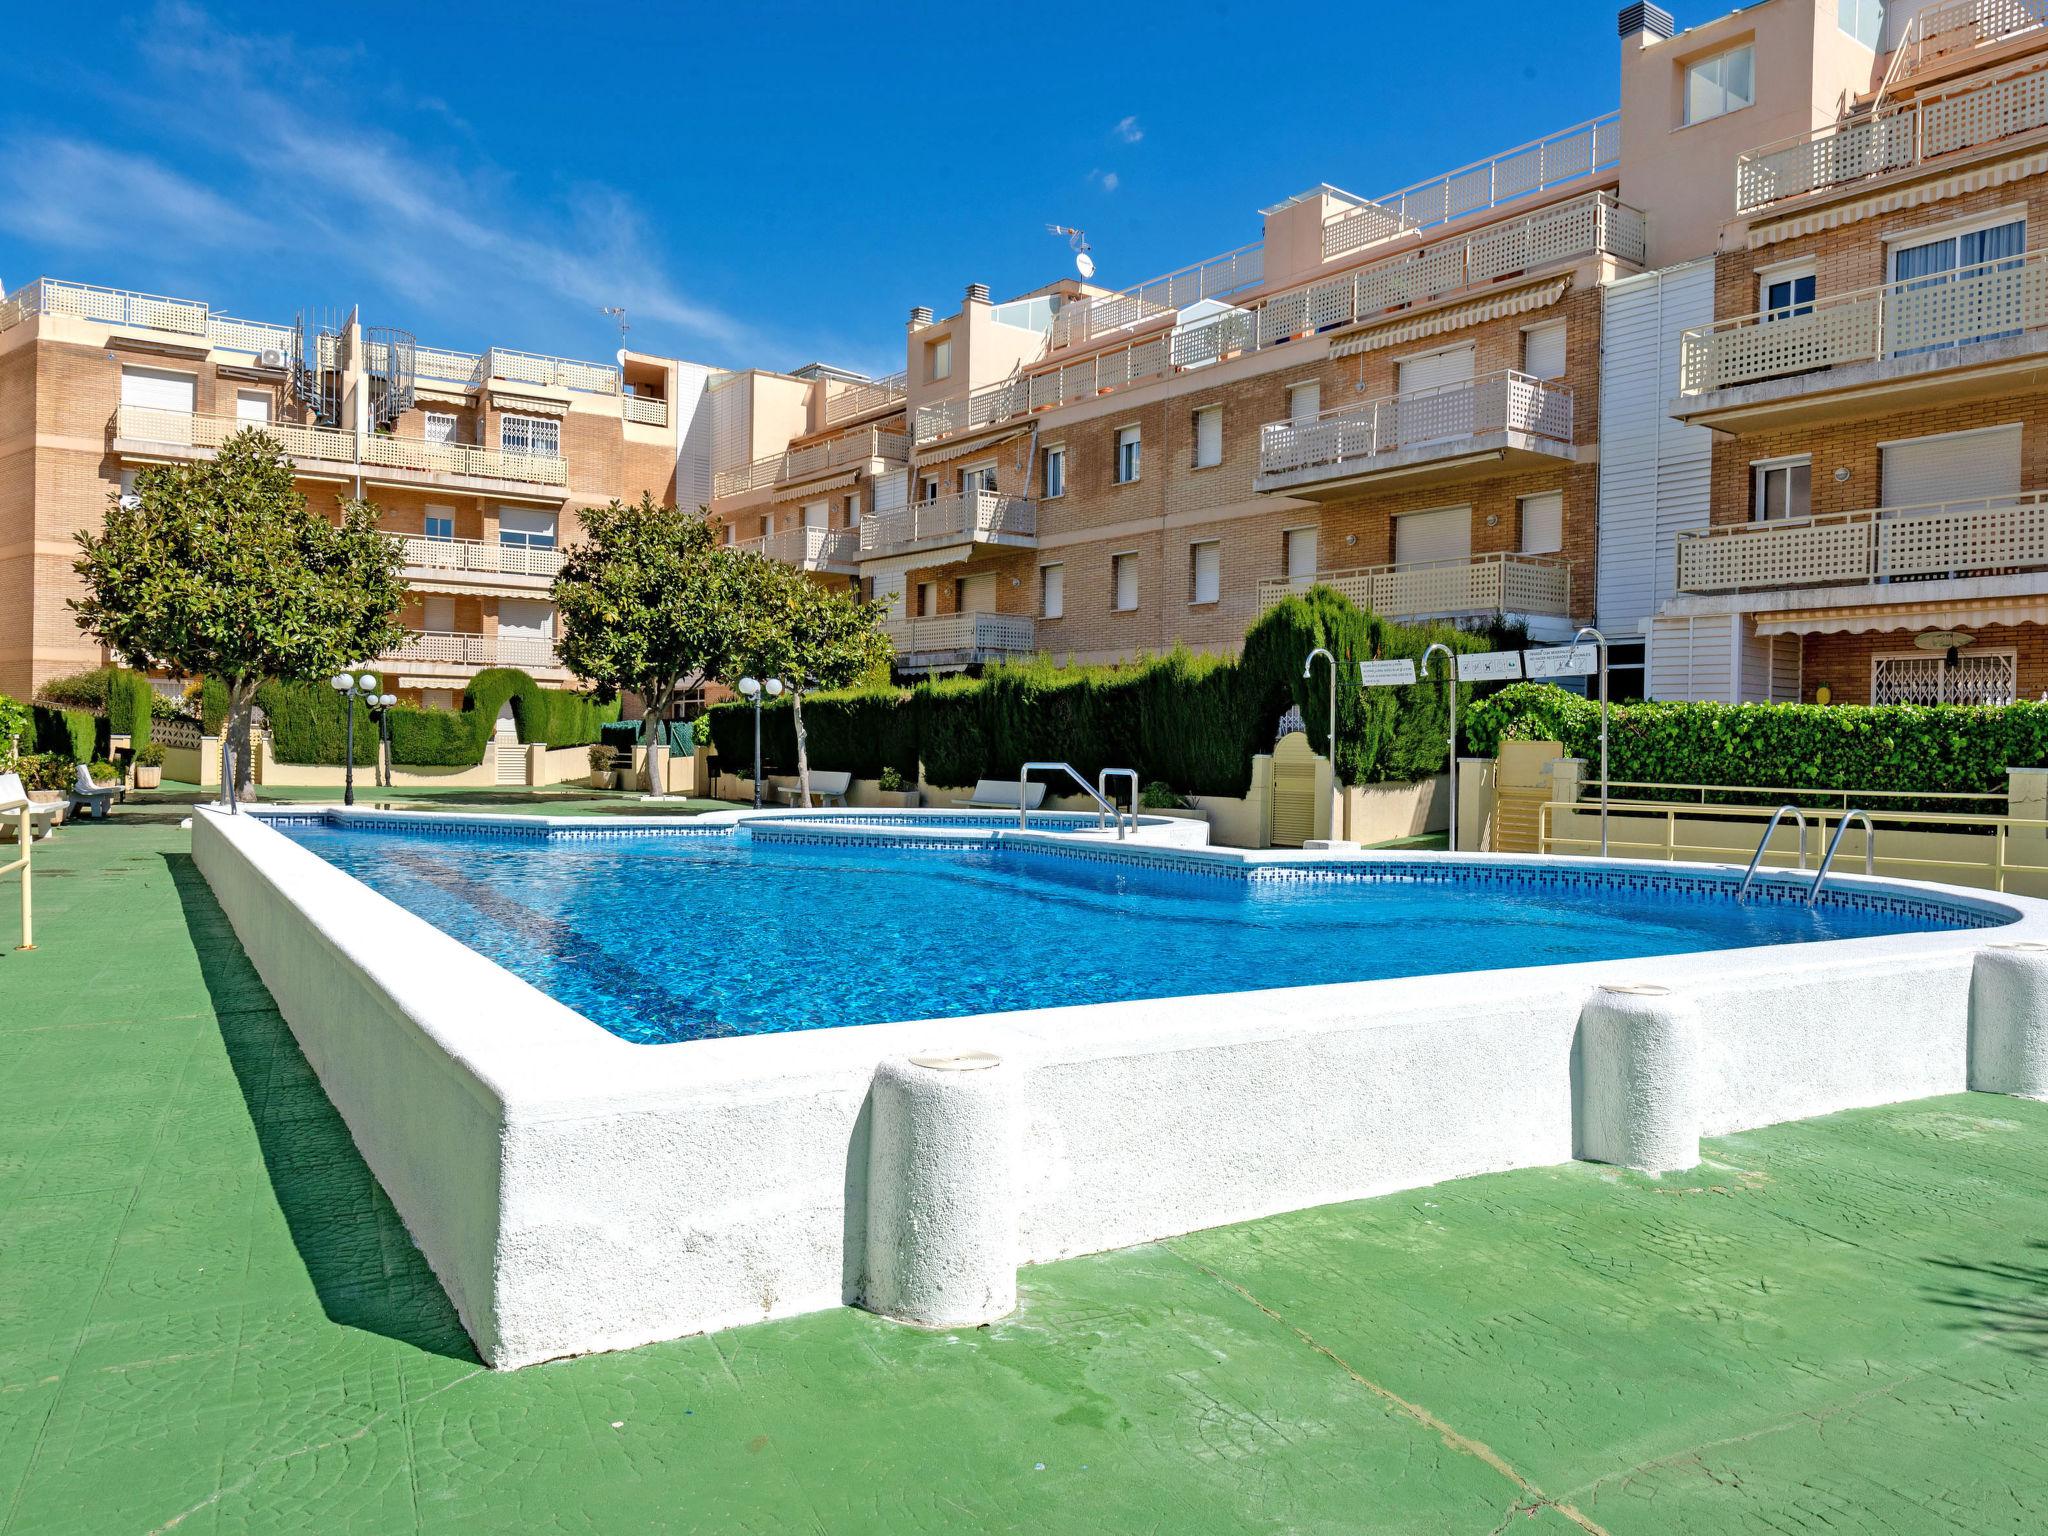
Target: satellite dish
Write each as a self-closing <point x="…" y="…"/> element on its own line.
<point x="1084" y="264"/>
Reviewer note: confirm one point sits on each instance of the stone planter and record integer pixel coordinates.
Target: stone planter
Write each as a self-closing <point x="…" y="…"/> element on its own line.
<point x="898" y="799"/>
<point x="147" y="775"/>
<point x="603" y="779"/>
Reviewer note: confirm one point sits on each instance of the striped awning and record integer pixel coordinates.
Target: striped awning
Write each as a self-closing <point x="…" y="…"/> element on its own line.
<point x="1877" y="618"/>
<point x="528" y="405"/>
<point x="1436" y="322"/>
<point x="1854" y="210"/>
<point x="797" y="490"/>
<point x="987" y="442"/>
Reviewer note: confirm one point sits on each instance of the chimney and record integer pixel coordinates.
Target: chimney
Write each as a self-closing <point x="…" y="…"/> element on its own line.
<point x="920" y="316"/>
<point x="977" y="293"/>
<point x="1644" y="22"/>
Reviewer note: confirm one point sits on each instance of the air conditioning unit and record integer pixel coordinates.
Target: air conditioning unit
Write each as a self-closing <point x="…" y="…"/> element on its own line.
<point x="270" y="357"/>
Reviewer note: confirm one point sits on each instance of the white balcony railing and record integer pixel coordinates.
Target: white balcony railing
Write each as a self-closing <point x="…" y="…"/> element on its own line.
<point x="144" y="312"/>
<point x="845" y="401"/>
<point x="1961" y="26"/>
<point x="448" y="649"/>
<point x="1924" y="314"/>
<point x="850" y="448"/>
<point x="808" y="549"/>
<point x="1346" y="440"/>
<point x="557" y="372"/>
<point x="645" y="409"/>
<point x="964" y="517"/>
<point x="1499" y="583"/>
<point x="476" y="556"/>
<point x="1084" y="320"/>
<point x="962" y="637"/>
<point x="1961" y="116"/>
<point x="1582" y="150"/>
<point x="1592" y="225"/>
<point x="183" y="429"/>
<point x="1990" y="536"/>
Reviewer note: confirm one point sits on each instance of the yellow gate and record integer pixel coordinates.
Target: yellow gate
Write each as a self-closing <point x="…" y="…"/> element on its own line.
<point x="1294" y="791"/>
<point x="1520" y="786"/>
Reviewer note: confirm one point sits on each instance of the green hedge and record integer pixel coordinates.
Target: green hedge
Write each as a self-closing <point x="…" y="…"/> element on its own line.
<point x="308" y="725"/>
<point x="75" y="733"/>
<point x="457" y="738"/>
<point x="122" y="695"/>
<point x="1193" y="722"/>
<point x="1903" y="747"/>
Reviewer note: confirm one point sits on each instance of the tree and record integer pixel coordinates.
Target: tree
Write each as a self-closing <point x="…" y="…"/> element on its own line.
<point x="811" y="638"/>
<point x="219" y="568"/>
<point x="647" y="601"/>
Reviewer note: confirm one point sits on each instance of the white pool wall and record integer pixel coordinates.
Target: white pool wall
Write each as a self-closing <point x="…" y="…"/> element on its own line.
<point x="576" y="1192"/>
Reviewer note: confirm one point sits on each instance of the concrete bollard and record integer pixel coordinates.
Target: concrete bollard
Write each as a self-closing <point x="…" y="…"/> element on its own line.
<point x="943" y="1147"/>
<point x="1639" y="1099"/>
<point x="2009" y="1020"/>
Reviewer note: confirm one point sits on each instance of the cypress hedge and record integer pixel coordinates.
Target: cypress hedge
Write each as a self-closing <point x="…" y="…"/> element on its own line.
<point x="553" y="717"/>
<point x="1193" y="722"/>
<point x="76" y="733"/>
<point x="121" y="694"/>
<point x="307" y="723"/>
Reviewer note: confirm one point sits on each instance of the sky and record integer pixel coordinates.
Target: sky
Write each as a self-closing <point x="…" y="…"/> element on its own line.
<point x="758" y="185"/>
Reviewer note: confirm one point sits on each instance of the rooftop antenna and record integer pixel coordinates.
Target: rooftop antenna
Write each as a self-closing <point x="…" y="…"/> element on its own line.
<point x="618" y="313"/>
<point x="1077" y="241"/>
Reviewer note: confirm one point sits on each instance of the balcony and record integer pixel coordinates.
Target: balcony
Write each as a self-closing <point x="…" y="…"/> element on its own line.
<point x="644" y="409"/>
<point x="1907" y="545"/>
<point x="1570" y="231"/>
<point x="795" y="463"/>
<point x="1538" y="586"/>
<point x="1950" y="118"/>
<point x="851" y="401"/>
<point x="477" y="563"/>
<point x="966" y="517"/>
<point x="441" y="651"/>
<point x="143" y="312"/>
<point x="144" y="430"/>
<point x="1956" y="27"/>
<point x="961" y="640"/>
<point x="809" y="549"/>
<point x="1484" y="426"/>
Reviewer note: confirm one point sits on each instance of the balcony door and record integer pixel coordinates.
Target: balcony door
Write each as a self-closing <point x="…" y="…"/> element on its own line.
<point x="1922" y="321"/>
<point x="438" y="616"/>
<point x="976" y="594"/>
<point x="1436" y="397"/>
<point x="526" y="631"/>
<point x="1964" y="483"/>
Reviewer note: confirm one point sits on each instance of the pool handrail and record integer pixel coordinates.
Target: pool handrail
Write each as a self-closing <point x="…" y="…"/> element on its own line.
<point x="1764" y="842"/>
<point x="1828" y="858"/>
<point x="1024" y="775"/>
<point x="1102" y="784"/>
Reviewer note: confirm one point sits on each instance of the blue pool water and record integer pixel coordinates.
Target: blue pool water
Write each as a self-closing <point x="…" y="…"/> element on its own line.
<point x="679" y="938"/>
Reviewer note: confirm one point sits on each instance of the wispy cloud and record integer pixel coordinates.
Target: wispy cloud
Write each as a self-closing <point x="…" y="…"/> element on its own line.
<point x="1108" y="181"/>
<point x="86" y="197"/>
<point x="1127" y="130"/>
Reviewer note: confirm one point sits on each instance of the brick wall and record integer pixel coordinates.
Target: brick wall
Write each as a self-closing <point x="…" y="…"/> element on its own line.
<point x="1843" y="662"/>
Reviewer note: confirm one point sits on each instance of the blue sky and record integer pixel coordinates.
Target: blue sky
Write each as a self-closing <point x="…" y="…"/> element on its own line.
<point x="756" y="184"/>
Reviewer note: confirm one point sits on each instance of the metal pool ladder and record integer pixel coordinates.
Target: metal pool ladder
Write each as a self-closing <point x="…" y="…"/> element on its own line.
<point x="1828" y="859"/>
<point x="1765" y="841"/>
<point x="1024" y="775"/>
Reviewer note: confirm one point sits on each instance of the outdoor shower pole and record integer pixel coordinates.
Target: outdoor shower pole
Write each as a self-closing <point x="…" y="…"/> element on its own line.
<point x="1450" y="676"/>
<point x="1336" y="792"/>
<point x="1602" y="641"/>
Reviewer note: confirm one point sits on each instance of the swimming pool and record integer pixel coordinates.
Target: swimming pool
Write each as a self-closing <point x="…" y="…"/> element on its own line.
<point x="679" y="935"/>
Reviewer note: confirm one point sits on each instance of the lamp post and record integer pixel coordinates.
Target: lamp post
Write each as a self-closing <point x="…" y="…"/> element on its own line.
<point x="1336" y="790"/>
<point x="754" y="688"/>
<point x="353" y="686"/>
<point x="1450" y="676"/>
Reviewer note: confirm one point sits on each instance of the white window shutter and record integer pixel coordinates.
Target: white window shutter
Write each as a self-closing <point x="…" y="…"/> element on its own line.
<point x="1543" y="351"/>
<point x="1542" y="523"/>
<point x="1955" y="466"/>
<point x="1440" y="535"/>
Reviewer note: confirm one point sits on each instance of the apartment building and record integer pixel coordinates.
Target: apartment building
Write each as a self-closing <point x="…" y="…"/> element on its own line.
<point x="477" y="460"/>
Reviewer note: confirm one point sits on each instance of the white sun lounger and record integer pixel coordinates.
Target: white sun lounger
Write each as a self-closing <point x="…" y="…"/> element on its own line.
<point x="1001" y="795"/>
<point x="42" y="814"/>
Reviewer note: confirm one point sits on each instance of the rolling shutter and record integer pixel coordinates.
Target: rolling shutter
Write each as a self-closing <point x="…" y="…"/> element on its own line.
<point x="1440" y="535"/>
<point x="1956" y="466"/>
<point x="157" y="389"/>
<point x="1427" y="372"/>
<point x="1543" y="351"/>
<point x="1543" y="523"/>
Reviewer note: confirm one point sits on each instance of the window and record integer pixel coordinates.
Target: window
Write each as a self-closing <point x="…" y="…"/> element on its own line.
<point x="253" y="406"/>
<point x="817" y="514"/>
<point x="540" y="436"/>
<point x="1205" y="571"/>
<point x="1123" y="582"/>
<point x="938" y="359"/>
<point x="1304" y="401"/>
<point x="1781" y="488"/>
<point x="927" y="599"/>
<point x="1052" y="591"/>
<point x="526" y="528"/>
<point x="441" y="427"/>
<point x="1298" y="554"/>
<point x="1721" y="84"/>
<point x="1930" y="263"/>
<point x="1208" y="437"/>
<point x="1542" y="522"/>
<point x="1055" y="473"/>
<point x="1950" y="466"/>
<point x="731" y="535"/>
<point x="927" y="487"/>
<point x="853" y="510"/>
<point x="158" y="389"/>
<point x="1126" y="455"/>
<point x="982" y="477"/>
<point x="440" y="523"/>
<point x="1786" y="292"/>
<point x="1862" y="20"/>
<point x="1543" y="351"/>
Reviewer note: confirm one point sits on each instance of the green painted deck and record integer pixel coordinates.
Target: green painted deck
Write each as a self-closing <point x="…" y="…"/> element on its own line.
<point x="211" y="1321"/>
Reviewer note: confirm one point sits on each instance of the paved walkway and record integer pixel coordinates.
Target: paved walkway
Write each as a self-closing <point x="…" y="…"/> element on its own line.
<point x="211" y="1321"/>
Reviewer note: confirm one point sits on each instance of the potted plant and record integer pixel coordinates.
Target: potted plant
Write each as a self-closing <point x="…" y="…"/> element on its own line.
<point x="890" y="790"/>
<point x="1160" y="799"/>
<point x="602" y="775"/>
<point x="46" y="776"/>
<point x="149" y="765"/>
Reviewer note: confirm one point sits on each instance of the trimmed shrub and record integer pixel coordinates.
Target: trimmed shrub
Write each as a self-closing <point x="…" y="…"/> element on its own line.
<point x="307" y="724"/>
<point x="120" y="694"/>
<point x="213" y="706"/>
<point x="445" y="738"/>
<point x="75" y="733"/>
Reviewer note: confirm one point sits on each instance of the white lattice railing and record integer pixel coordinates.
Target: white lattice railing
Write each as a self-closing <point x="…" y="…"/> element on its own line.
<point x="558" y="372"/>
<point x="145" y="424"/>
<point x="1347" y="438"/>
<point x="1083" y="320"/>
<point x="843" y="402"/>
<point x="1959" y="26"/>
<point x="1583" y="226"/>
<point x="142" y="311"/>
<point x="476" y="556"/>
<point x="964" y="636"/>
<point x="808" y="549"/>
<point x="1988" y="536"/>
<point x="447" y="367"/>
<point x="1582" y="150"/>
<point x="1959" y="116"/>
<point x="964" y="516"/>
<point x="453" y="649"/>
<point x="850" y="448"/>
<point x="645" y="409"/>
<point x="1497" y="583"/>
<point x="1948" y="309"/>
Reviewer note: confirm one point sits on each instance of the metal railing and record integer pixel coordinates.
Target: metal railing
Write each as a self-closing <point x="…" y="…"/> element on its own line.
<point x="1583" y="226"/>
<point x="1990" y="536"/>
<point x="1104" y="808"/>
<point x="452" y="648"/>
<point x="478" y="556"/>
<point x="1347" y="438"/>
<point x="1582" y="150"/>
<point x="1496" y="583"/>
<point x="851" y="448"/>
<point x="645" y="409"/>
<point x="845" y="401"/>
<point x="556" y="372"/>
<point x="183" y="429"/>
<point x="142" y="311"/>
<point x="1082" y="320"/>
<point x="1985" y="302"/>
<point x="963" y="517"/>
<point x="808" y="549"/>
<point x="962" y="637"/>
<point x="1959" y="116"/>
<point x="1960" y="26"/>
